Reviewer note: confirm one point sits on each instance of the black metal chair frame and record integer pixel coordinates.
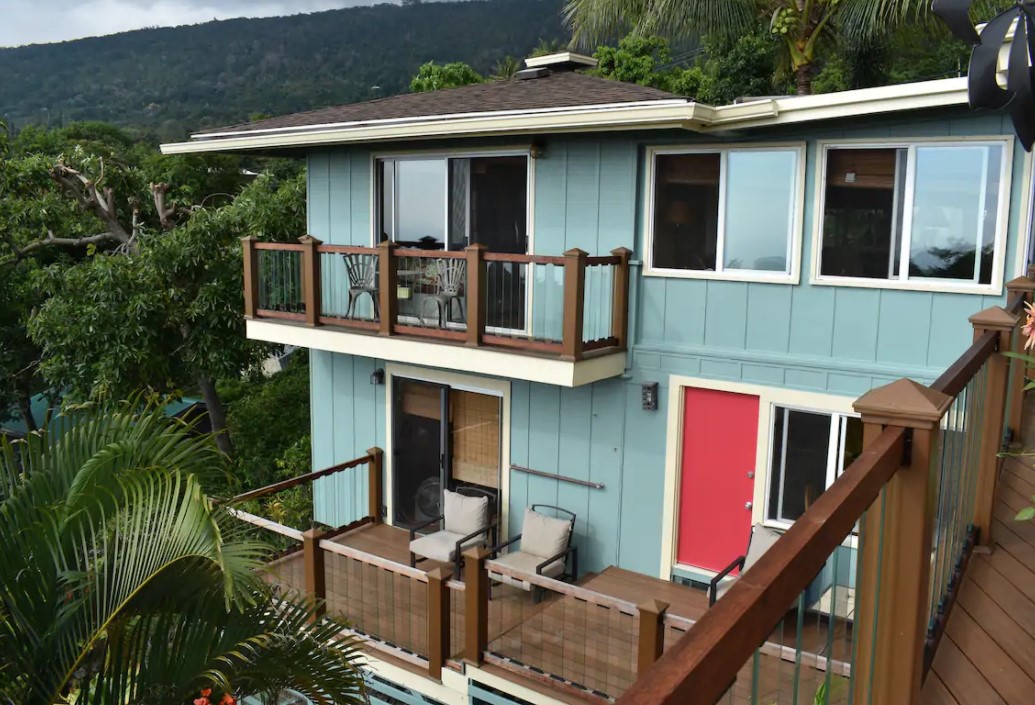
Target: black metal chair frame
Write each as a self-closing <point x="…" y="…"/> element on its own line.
<point x="362" y="274"/>
<point x="490" y="530"/>
<point x="569" y="550"/>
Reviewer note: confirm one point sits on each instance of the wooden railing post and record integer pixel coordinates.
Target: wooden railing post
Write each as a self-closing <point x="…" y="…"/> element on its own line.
<point x="895" y="565"/>
<point x="251" y="276"/>
<point x="620" y="303"/>
<point x="315" y="577"/>
<point x="1024" y="288"/>
<point x="375" y="469"/>
<point x="388" y="280"/>
<point x="311" y="279"/>
<point x="574" y="301"/>
<point x="998" y="320"/>
<point x="438" y="621"/>
<point x="652" y="634"/>
<point x="474" y="290"/>
<point x="476" y="605"/>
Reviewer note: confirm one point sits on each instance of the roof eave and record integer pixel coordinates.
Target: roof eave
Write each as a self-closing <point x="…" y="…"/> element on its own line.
<point x="665" y="115"/>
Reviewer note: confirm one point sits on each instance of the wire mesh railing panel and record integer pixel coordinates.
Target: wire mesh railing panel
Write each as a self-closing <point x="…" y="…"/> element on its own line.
<point x="457" y="610"/>
<point x="349" y="286"/>
<point x="383" y="605"/>
<point x="573" y="635"/>
<point x="955" y="479"/>
<point x="280" y="281"/>
<point x="810" y="656"/>
<point x="675" y="629"/>
<point x="598" y="303"/>
<point x="431" y="291"/>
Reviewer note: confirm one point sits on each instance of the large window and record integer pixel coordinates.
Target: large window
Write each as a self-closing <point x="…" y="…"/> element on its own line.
<point x="731" y="212"/>
<point x="913" y="212"/>
<point x="452" y="202"/>
<point x="809" y="450"/>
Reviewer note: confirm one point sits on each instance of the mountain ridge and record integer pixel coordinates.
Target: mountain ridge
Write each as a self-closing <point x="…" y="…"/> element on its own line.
<point x="169" y="81"/>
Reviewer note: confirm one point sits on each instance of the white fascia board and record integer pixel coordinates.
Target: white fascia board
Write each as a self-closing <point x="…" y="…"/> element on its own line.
<point x="677" y="114"/>
<point x="484" y="361"/>
<point x="826" y="106"/>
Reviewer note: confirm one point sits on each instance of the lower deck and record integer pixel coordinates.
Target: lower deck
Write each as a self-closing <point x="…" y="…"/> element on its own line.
<point x="578" y="640"/>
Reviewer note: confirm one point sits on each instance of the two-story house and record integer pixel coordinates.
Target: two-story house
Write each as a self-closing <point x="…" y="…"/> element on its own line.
<point x="651" y="313"/>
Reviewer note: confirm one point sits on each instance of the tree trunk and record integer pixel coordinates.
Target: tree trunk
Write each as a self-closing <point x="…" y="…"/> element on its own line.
<point x="803" y="79"/>
<point x="25" y="408"/>
<point x="216" y="414"/>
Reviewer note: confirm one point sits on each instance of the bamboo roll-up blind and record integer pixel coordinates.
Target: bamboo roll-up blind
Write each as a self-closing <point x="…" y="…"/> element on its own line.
<point x="476" y="437"/>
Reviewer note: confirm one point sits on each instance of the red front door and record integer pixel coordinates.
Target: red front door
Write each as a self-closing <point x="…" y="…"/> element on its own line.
<point x="720" y="433"/>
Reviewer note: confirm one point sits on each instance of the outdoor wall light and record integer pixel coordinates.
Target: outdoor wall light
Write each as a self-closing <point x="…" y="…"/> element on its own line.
<point x="377" y="376"/>
<point x="536" y="150"/>
<point x="649" y="396"/>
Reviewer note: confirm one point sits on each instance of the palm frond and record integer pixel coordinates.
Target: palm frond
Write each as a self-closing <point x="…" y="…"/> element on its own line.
<point x="596" y="21"/>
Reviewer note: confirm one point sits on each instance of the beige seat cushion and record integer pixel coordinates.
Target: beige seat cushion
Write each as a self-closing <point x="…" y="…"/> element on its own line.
<point x="441" y="545"/>
<point x="525" y="563"/>
<point x="544" y="536"/>
<point x="465" y="515"/>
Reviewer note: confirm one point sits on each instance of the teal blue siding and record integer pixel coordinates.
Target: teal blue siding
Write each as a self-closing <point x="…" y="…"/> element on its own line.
<point x="588" y="194"/>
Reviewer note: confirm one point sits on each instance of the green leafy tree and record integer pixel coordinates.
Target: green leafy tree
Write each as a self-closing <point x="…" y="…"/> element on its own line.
<point x="122" y="584"/>
<point x="803" y="27"/>
<point x="434" y="77"/>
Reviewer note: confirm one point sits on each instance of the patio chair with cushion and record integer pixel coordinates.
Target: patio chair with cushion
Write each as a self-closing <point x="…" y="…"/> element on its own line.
<point x="465" y="523"/>
<point x="545" y="547"/>
<point x="762" y="539"/>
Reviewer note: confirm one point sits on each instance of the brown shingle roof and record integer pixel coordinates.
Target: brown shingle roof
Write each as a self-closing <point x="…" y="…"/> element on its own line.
<point x="555" y="90"/>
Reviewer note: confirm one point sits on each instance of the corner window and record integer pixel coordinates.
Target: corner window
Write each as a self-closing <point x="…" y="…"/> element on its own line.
<point x="913" y="212"/>
<point x="810" y="449"/>
<point x="731" y="212"/>
<point x="448" y="203"/>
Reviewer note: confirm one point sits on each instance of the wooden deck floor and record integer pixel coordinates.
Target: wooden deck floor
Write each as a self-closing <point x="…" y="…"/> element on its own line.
<point x="987" y="655"/>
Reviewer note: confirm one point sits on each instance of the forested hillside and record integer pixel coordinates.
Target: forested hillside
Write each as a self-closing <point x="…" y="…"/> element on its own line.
<point x="174" y="80"/>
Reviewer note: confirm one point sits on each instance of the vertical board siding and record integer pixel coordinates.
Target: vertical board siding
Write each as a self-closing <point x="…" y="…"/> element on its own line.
<point x="589" y="194"/>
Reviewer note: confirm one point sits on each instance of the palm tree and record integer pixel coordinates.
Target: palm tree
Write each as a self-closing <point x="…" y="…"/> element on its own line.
<point x="800" y="24"/>
<point x="121" y="584"/>
<point x="505" y="68"/>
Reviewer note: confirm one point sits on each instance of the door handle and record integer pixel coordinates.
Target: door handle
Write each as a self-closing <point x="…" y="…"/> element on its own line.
<point x="748" y="505"/>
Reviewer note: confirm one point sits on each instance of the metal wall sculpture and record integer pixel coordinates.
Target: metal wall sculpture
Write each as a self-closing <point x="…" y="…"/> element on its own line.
<point x="1017" y="98"/>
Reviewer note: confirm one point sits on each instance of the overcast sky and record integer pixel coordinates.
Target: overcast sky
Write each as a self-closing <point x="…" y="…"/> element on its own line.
<point x="40" y="21"/>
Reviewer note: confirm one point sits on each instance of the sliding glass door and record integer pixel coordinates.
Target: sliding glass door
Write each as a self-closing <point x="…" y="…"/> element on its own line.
<point x="443" y="437"/>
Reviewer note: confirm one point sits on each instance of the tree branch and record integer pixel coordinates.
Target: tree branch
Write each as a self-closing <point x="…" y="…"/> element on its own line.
<point x="50" y="241"/>
<point x="92" y="199"/>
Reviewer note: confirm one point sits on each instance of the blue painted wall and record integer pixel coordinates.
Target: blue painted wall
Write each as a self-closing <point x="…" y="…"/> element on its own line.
<point x="588" y="195"/>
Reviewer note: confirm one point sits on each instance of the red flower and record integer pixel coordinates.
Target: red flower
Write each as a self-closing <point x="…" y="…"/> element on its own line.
<point x="201" y="701"/>
<point x="228" y="700"/>
<point x="205" y="692"/>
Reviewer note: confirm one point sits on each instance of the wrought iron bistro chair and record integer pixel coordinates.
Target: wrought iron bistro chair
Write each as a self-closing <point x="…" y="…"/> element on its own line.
<point x="362" y="273"/>
<point x="449" y="277"/>
<point x="545" y="549"/>
<point x="466" y="521"/>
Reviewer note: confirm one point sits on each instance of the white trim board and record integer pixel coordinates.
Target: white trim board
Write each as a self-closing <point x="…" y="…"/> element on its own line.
<point x="768" y="396"/>
<point x="481" y="385"/>
<point x="562" y="373"/>
<point x="661" y="114"/>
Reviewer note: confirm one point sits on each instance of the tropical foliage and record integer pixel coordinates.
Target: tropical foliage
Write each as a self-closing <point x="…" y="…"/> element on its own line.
<point x="435" y="77"/>
<point x="122" y="584"/>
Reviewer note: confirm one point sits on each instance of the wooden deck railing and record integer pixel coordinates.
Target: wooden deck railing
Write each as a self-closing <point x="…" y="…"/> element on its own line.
<point x="912" y="542"/>
<point x="568" y="306"/>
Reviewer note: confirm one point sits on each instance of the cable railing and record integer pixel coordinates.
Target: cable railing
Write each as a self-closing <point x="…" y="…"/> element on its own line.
<point x="849" y="604"/>
<point x="568" y="306"/>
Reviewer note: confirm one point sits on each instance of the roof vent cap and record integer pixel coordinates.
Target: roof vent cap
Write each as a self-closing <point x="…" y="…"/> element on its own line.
<point x="561" y="61"/>
<point x="526" y="74"/>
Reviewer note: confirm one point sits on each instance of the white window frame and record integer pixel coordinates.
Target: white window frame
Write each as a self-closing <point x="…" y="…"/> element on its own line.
<point x="375" y="190"/>
<point x="835" y="455"/>
<point x="903" y="282"/>
<point x="795" y="225"/>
